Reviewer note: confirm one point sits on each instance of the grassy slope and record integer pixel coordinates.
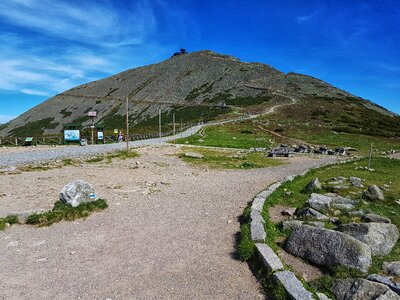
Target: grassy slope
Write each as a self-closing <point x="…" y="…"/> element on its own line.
<point x="242" y="135"/>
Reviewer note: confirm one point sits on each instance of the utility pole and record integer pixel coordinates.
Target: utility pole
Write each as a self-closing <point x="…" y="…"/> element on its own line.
<point x="127" y="124"/>
<point x="159" y="123"/>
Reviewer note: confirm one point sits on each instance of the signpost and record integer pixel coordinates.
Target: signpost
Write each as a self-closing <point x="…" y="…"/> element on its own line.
<point x="92" y="115"/>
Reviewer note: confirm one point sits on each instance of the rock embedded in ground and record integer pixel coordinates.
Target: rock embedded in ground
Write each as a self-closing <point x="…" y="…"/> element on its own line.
<point x="313" y="185"/>
<point x="392" y="267"/>
<point x="374" y="218"/>
<point x="288" y="212"/>
<point x="380" y="237"/>
<point x="328" y="248"/>
<point x="292" y="224"/>
<point x="76" y="192"/>
<point x="319" y="202"/>
<point x="357" y="182"/>
<point x="374" y="193"/>
<point x="310" y="213"/>
<point x="194" y="155"/>
<point x="361" y="289"/>
<point x="394" y="286"/>
<point x="322" y="296"/>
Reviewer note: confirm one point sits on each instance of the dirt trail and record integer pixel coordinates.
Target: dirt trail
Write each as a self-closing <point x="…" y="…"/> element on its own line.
<point x="169" y="232"/>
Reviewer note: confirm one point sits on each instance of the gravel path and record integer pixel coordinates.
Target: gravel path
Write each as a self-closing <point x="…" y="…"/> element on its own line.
<point x="169" y="232"/>
<point x="49" y="154"/>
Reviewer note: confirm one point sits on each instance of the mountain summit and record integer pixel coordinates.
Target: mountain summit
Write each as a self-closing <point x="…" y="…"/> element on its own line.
<point x="194" y="85"/>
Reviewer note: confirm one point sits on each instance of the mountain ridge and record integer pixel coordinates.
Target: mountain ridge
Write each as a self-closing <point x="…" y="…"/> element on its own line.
<point x="200" y="80"/>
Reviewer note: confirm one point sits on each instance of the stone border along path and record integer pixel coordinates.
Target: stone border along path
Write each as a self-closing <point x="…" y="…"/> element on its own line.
<point x="270" y="259"/>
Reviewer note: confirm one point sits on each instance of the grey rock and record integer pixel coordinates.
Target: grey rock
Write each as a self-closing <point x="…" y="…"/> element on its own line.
<point x="322" y="296"/>
<point x="389" y="295"/>
<point x="328" y="248"/>
<point x="374" y="193"/>
<point x="358" y="213"/>
<point x="292" y="285"/>
<point x="313" y="185"/>
<point x="357" y="182"/>
<point x="76" y="192"/>
<point x="359" y="289"/>
<point x="319" y="202"/>
<point x="292" y="224"/>
<point x="380" y="237"/>
<point x="289" y="212"/>
<point x="310" y="213"/>
<point x="374" y="218"/>
<point x="270" y="260"/>
<point x="394" y="286"/>
<point x="392" y="268"/>
<point x="258" y="203"/>
<point x="194" y="155"/>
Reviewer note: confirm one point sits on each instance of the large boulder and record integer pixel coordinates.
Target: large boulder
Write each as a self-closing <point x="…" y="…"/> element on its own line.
<point x="381" y="237"/>
<point x="374" y="193"/>
<point x="394" y="286"/>
<point x="76" y="192"/>
<point x="361" y="289"/>
<point x="328" y="248"/>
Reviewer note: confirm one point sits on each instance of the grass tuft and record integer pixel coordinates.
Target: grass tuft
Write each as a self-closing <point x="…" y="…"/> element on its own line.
<point x="11" y="219"/>
<point x="62" y="211"/>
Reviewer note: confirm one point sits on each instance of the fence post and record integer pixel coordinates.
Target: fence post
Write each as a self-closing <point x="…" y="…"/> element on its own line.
<point x="16" y="141"/>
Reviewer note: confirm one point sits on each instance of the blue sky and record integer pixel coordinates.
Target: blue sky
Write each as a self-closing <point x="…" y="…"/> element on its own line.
<point x="49" y="46"/>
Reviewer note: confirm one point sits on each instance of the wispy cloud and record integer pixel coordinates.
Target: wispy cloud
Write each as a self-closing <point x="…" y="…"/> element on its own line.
<point x="302" y="19"/>
<point x="5" y="118"/>
<point x="86" y="21"/>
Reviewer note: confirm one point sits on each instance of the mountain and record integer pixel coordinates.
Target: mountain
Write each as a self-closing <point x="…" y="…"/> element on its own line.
<point x="194" y="86"/>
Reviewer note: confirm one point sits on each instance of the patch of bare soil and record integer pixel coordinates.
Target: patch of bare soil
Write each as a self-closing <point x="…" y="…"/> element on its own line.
<point x="300" y="267"/>
<point x="275" y="213"/>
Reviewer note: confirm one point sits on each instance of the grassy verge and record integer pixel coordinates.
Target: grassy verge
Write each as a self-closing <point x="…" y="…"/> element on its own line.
<point x="241" y="135"/>
<point x="293" y="194"/>
<point x="62" y="211"/>
<point x="228" y="159"/>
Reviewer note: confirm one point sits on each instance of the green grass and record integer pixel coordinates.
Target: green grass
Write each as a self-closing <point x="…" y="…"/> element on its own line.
<point x="387" y="172"/>
<point x="62" y="211"/>
<point x="362" y="143"/>
<point x="242" y="135"/>
<point x="11" y="219"/>
<point x="228" y="159"/>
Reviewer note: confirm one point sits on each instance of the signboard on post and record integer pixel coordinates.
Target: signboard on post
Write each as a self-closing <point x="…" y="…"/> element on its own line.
<point x="72" y="135"/>
<point x="92" y="114"/>
<point x="116" y="131"/>
<point x="100" y="135"/>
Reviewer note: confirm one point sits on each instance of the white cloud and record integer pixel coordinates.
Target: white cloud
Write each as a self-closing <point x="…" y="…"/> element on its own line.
<point x="86" y="22"/>
<point x="301" y="19"/>
<point x="34" y="92"/>
<point x="6" y="118"/>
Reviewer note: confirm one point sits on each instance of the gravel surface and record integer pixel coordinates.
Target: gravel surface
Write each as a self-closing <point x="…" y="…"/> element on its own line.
<point x="169" y="232"/>
<point x="18" y="155"/>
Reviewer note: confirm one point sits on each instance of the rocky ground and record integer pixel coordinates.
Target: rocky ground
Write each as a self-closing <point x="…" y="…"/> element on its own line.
<point x="169" y="232"/>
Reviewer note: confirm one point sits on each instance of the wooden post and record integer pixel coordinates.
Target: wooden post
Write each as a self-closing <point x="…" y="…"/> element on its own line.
<point x="370" y="157"/>
<point x="127" y="124"/>
<point x="16" y="141"/>
<point x="173" y="120"/>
